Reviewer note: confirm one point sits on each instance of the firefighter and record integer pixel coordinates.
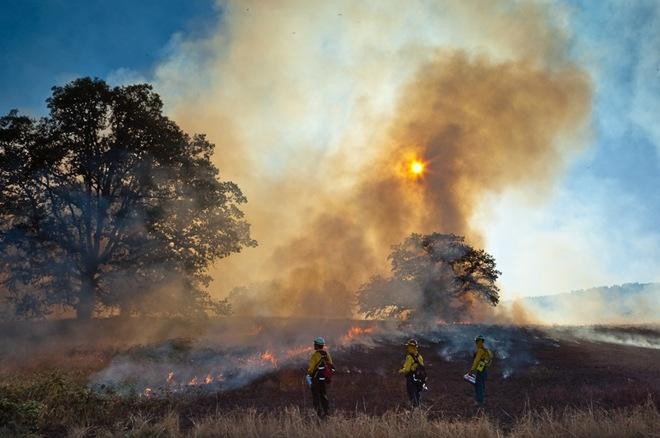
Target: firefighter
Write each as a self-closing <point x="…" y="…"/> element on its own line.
<point x="319" y="372"/>
<point x="482" y="360"/>
<point x="413" y="370"/>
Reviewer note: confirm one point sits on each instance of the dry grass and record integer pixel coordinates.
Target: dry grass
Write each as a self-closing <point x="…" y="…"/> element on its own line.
<point x="580" y="389"/>
<point x="642" y="421"/>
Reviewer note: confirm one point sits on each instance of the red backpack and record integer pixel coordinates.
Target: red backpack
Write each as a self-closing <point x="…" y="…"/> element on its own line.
<point x="324" y="369"/>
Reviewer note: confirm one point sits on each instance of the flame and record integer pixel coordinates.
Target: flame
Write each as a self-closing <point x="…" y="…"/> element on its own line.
<point x="260" y="360"/>
<point x="170" y="378"/>
<point x="193" y="381"/>
<point x="208" y="379"/>
<point x="268" y="356"/>
<point x="355" y="332"/>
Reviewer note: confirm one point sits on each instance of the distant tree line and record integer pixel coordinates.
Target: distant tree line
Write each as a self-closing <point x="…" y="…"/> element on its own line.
<point x="106" y="204"/>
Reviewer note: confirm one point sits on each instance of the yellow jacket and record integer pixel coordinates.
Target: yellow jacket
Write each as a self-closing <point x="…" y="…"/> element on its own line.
<point x="482" y="359"/>
<point x="409" y="365"/>
<point x="315" y="359"/>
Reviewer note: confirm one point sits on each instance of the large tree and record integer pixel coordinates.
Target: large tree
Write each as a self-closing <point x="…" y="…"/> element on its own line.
<point x="107" y="203"/>
<point x="433" y="276"/>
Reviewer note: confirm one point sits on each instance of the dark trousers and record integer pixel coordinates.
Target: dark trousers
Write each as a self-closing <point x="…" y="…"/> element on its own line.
<point x="320" y="398"/>
<point x="414" y="390"/>
<point x="480" y="386"/>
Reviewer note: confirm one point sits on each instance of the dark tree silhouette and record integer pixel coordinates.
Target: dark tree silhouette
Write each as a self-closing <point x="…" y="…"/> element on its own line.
<point x="436" y="276"/>
<point x="107" y="203"/>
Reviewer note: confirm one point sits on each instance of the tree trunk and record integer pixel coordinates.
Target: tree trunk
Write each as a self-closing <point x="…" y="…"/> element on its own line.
<point x="85" y="306"/>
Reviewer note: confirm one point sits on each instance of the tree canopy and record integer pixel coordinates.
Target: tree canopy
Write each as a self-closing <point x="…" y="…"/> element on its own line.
<point x="433" y="276"/>
<point x="106" y="203"/>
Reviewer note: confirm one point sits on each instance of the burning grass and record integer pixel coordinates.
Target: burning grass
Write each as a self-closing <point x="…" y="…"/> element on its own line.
<point x="193" y="384"/>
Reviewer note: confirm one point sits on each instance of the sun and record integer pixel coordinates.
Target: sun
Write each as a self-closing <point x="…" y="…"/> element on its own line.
<point x="416" y="168"/>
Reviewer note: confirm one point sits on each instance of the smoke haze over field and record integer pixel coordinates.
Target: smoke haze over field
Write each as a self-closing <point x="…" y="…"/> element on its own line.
<point x="632" y="303"/>
<point x="317" y="108"/>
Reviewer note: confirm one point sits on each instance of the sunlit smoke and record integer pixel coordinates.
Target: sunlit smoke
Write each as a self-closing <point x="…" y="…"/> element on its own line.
<point x="318" y="114"/>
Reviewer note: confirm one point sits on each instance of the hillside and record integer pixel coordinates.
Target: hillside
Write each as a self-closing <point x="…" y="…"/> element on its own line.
<point x="629" y="303"/>
<point x="196" y="371"/>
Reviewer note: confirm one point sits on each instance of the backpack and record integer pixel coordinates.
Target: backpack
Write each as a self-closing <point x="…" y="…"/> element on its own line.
<point x="324" y="371"/>
<point x="419" y="375"/>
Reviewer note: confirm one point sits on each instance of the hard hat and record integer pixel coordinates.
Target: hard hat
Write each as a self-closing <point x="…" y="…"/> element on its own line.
<point x="319" y="341"/>
<point x="479" y="338"/>
<point x="412" y="343"/>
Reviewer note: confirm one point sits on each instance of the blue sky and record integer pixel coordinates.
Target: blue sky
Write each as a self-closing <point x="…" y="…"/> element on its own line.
<point x="619" y="42"/>
<point x="48" y="42"/>
<point x="609" y="200"/>
<point x="610" y="195"/>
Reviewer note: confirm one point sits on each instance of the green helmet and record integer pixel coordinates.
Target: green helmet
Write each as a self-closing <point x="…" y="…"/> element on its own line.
<point x="319" y="341"/>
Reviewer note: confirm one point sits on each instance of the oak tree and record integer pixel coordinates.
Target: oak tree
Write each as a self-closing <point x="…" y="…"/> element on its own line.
<point x="105" y="203"/>
<point x="433" y="276"/>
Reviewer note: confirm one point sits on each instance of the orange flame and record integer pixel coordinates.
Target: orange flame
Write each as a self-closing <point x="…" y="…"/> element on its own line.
<point x="355" y="332"/>
<point x="268" y="356"/>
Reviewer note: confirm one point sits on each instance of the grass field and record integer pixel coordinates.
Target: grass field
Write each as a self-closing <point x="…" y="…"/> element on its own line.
<point x="544" y="382"/>
<point x="638" y="422"/>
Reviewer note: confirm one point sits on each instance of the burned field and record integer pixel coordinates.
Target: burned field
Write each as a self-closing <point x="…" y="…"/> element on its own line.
<point x="52" y="381"/>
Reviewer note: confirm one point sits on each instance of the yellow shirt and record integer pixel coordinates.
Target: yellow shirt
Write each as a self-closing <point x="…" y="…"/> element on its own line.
<point x="410" y="365"/>
<point x="482" y="355"/>
<point x="315" y="359"/>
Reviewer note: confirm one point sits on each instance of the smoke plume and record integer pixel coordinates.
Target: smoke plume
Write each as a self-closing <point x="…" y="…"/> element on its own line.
<point x="318" y="108"/>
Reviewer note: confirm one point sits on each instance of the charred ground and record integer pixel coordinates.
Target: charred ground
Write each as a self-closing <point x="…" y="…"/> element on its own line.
<point x="552" y="372"/>
<point x="55" y="373"/>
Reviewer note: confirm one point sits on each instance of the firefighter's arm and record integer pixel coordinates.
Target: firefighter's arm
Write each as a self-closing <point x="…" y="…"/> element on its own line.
<point x="313" y="362"/>
<point x="407" y="365"/>
<point x="477" y="359"/>
<point x="330" y="362"/>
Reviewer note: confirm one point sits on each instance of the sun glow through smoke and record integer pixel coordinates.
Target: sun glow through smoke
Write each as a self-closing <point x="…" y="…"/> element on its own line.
<point x="417" y="168"/>
<point x="412" y="140"/>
